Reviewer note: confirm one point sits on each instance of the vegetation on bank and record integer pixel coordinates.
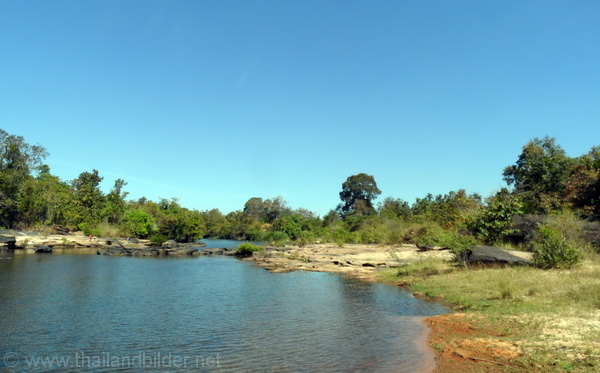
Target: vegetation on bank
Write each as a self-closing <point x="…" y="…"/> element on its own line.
<point x="544" y="180"/>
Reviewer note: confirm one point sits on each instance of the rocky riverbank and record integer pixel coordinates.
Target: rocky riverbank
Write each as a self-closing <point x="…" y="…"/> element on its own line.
<point x="360" y="261"/>
<point x="35" y="242"/>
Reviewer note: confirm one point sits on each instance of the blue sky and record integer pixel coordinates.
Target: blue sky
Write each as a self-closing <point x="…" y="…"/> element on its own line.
<point x="215" y="102"/>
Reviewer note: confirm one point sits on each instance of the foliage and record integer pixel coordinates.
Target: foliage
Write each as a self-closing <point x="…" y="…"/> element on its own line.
<point x="553" y="250"/>
<point x="46" y="200"/>
<point x="17" y="161"/>
<point x="458" y="243"/>
<point x="266" y="211"/>
<point x="114" y="203"/>
<point x="357" y="195"/>
<point x="582" y="188"/>
<point x="89" y="199"/>
<point x="247" y="249"/>
<point x="215" y="221"/>
<point x="275" y="238"/>
<point x="449" y="210"/>
<point x="394" y="208"/>
<point x="139" y="223"/>
<point x="176" y="222"/>
<point x="492" y="222"/>
<point x="89" y="229"/>
<point x="158" y="239"/>
<point x="539" y="174"/>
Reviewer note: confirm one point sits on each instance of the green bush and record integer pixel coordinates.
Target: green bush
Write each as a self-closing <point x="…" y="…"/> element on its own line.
<point x="158" y="239"/>
<point x="139" y="223"/>
<point x="433" y="234"/>
<point x="247" y="249"/>
<point x="553" y="250"/>
<point x="88" y="229"/>
<point x="276" y="238"/>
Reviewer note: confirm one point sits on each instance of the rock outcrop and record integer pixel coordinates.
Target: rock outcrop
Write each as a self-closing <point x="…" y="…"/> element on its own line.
<point x="8" y="242"/>
<point x="43" y="249"/>
<point x="491" y="255"/>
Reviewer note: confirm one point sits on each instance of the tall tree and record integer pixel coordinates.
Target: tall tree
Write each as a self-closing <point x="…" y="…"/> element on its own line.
<point x="88" y="196"/>
<point x="357" y="195"/>
<point x="114" y="203"/>
<point x="539" y="174"/>
<point x="17" y="160"/>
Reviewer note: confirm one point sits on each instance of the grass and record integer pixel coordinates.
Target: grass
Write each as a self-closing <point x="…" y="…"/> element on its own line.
<point x="553" y="315"/>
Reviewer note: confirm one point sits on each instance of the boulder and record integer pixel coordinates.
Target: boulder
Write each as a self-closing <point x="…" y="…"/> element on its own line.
<point x="524" y="227"/>
<point x="180" y="251"/>
<point x="8" y="242"/>
<point x="62" y="230"/>
<point x="493" y="255"/>
<point x="122" y="251"/>
<point x="170" y="244"/>
<point x="43" y="249"/>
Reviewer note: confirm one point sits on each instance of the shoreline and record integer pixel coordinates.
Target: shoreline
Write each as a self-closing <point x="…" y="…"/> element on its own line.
<point x="360" y="261"/>
<point x="365" y="262"/>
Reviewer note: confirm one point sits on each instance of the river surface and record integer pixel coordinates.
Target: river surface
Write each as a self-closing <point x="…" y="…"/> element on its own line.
<point x="103" y="313"/>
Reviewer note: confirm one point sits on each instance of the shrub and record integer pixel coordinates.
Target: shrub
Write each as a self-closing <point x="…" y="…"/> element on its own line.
<point x="139" y="223"/>
<point x="276" y="238"/>
<point x="89" y="229"/>
<point x="553" y="250"/>
<point x="435" y="235"/>
<point x="247" y="249"/>
<point x="158" y="239"/>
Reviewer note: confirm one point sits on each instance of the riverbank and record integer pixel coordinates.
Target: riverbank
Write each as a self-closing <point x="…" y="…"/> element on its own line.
<point x="38" y="242"/>
<point x="509" y="319"/>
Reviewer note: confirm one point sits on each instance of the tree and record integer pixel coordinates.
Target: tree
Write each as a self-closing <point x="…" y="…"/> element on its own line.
<point x="448" y="210"/>
<point x="88" y="196"/>
<point x="357" y="195"/>
<point x="47" y="200"/>
<point x="394" y="208"/>
<point x="215" y="221"/>
<point x="539" y="174"/>
<point x="582" y="188"/>
<point x="265" y="211"/>
<point x="176" y="222"/>
<point x="114" y="203"/>
<point x="139" y="223"/>
<point x="492" y="222"/>
<point x="17" y="160"/>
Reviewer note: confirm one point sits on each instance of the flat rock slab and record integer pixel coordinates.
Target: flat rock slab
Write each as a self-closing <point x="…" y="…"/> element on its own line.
<point x="494" y="255"/>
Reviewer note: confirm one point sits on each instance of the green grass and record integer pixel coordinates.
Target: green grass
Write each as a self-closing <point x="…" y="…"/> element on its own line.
<point x="515" y="290"/>
<point x="554" y="315"/>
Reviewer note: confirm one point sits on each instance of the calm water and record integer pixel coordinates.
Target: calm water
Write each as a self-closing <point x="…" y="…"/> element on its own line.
<point x="88" y="312"/>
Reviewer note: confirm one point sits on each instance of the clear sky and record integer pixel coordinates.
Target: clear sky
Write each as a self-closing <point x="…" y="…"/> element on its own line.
<point x="215" y="102"/>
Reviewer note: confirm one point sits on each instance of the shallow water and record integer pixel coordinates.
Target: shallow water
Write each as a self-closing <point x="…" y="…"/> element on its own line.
<point x="119" y="313"/>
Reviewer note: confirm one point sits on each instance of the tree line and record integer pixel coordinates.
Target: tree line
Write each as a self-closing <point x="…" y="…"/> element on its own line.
<point x="544" y="180"/>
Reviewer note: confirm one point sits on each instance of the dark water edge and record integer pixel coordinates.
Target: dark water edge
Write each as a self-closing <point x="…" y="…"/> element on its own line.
<point x="118" y="313"/>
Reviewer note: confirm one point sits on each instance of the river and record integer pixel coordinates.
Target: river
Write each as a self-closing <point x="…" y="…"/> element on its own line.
<point x="103" y="313"/>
